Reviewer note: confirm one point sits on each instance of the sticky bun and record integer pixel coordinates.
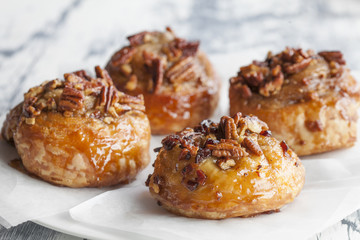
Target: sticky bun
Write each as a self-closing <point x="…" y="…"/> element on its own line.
<point x="80" y="132"/>
<point x="231" y="169"/>
<point x="179" y="84"/>
<point x="308" y="99"/>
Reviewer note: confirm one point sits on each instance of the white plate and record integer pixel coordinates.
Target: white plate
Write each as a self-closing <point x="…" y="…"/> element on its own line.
<point x="64" y="223"/>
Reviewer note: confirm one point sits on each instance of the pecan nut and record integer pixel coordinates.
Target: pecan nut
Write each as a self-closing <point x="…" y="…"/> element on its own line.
<point x="335" y="56"/>
<point x="252" y="146"/>
<point x="71" y="99"/>
<point x="122" y="56"/>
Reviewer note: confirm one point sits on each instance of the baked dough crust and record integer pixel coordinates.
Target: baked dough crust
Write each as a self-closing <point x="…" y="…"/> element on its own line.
<point x="232" y="169"/>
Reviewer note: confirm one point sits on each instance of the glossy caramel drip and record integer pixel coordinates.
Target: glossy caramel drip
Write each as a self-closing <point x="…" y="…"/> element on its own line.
<point x="84" y="151"/>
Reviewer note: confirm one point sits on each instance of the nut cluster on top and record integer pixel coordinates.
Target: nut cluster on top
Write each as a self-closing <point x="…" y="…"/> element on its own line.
<point x="80" y="94"/>
<point x="267" y="77"/>
<point x="172" y="64"/>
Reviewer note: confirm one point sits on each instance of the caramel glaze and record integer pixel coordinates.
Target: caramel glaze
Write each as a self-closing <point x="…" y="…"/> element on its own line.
<point x="173" y="106"/>
<point x="313" y="111"/>
<point x="82" y="152"/>
<point x="255" y="184"/>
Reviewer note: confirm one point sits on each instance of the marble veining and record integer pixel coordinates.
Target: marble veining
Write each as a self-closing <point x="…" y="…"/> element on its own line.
<point x="40" y="40"/>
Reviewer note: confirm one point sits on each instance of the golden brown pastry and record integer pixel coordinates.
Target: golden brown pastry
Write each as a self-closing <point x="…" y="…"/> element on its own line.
<point x="308" y="99"/>
<point x="231" y="169"/>
<point x="179" y="84"/>
<point x="80" y="132"/>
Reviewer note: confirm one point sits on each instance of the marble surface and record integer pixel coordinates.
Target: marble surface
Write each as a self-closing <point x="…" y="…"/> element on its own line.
<point x="41" y="40"/>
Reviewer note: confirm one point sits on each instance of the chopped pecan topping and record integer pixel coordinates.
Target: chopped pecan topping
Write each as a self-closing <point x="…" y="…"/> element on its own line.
<point x="80" y="73"/>
<point x="217" y="142"/>
<point x="155" y="67"/>
<point x="169" y="29"/>
<point x="336" y="72"/>
<point x="31" y="112"/>
<point x="335" y="69"/>
<point x="267" y="77"/>
<point x="190" y="140"/>
<point x="237" y="118"/>
<point x="225" y="163"/>
<point x="51" y="103"/>
<point x="252" y="146"/>
<point x="170" y="141"/>
<point x="335" y="56"/>
<point x="284" y="147"/>
<point x="220" y="153"/>
<point x="157" y="149"/>
<point x="131" y="102"/>
<point x="157" y="74"/>
<point x="102" y="73"/>
<point x="211" y="141"/>
<point x="202" y="154"/>
<point x="187" y="169"/>
<point x="228" y="127"/>
<point x="123" y="56"/>
<point x="28" y="109"/>
<point x="138" y="39"/>
<point x="80" y="94"/>
<point x="182" y="71"/>
<point x="296" y="67"/>
<point x="157" y="182"/>
<point x="266" y="133"/>
<point x="70" y="99"/>
<point x="147" y="182"/>
<point x="107" y="95"/>
<point x="201" y="177"/>
<point x="53" y="84"/>
<point x="192" y="177"/>
<point x="206" y="127"/>
<point x="274" y="86"/>
<point x="174" y="54"/>
<point x="314" y="126"/>
<point x="187" y="48"/>
<point x="227" y="148"/>
<point x="192" y="185"/>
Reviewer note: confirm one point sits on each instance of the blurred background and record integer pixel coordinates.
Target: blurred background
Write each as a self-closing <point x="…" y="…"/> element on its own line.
<point x="42" y="39"/>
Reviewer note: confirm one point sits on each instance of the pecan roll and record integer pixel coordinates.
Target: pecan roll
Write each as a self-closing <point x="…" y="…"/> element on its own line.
<point x="308" y="99"/>
<point x="177" y="80"/>
<point x="227" y="169"/>
<point x="74" y="132"/>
